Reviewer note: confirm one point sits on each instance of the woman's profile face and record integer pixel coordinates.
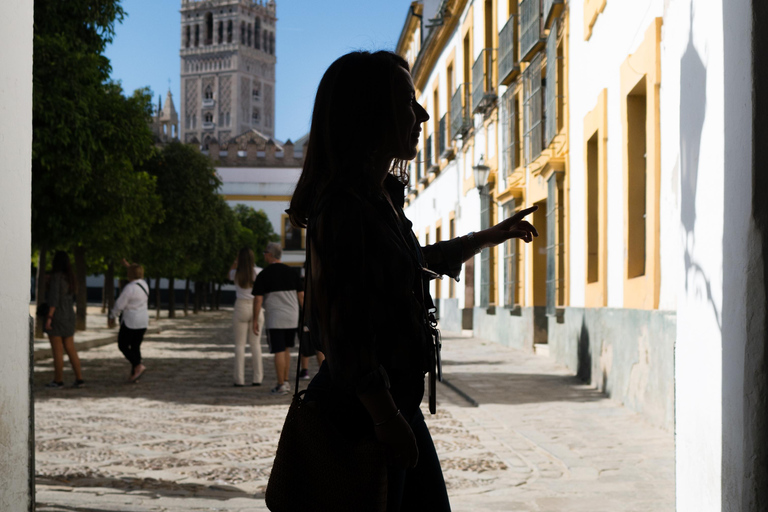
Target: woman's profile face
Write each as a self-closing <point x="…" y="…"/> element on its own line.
<point x="409" y="114"/>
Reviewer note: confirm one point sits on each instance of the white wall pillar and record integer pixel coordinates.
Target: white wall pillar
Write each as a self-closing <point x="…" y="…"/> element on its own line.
<point x="15" y="212"/>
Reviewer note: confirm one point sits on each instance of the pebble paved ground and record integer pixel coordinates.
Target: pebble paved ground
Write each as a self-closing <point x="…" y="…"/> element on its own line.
<point x="184" y="439"/>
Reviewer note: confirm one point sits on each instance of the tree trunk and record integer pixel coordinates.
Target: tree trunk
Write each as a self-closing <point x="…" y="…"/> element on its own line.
<point x="186" y="298"/>
<point x="171" y="298"/>
<point x="104" y="295"/>
<point x="40" y="292"/>
<point x="109" y="293"/>
<point x="157" y="298"/>
<point x="82" y="290"/>
<point x="218" y="295"/>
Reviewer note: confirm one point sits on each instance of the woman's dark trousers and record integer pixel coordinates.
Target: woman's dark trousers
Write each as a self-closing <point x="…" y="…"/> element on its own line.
<point x="129" y="343"/>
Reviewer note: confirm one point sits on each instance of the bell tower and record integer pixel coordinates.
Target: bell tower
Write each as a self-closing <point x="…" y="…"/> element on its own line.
<point x="227" y="69"/>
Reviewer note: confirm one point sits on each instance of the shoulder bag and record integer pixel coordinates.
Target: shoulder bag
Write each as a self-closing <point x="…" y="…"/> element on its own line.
<point x="316" y="467"/>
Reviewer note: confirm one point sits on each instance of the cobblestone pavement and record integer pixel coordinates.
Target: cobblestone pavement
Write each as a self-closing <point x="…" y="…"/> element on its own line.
<point x="184" y="439"/>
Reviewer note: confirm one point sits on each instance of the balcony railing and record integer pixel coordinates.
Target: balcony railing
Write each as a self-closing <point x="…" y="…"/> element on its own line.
<point x="530" y="23"/>
<point x="508" y="63"/>
<point x="209" y="125"/>
<point x="460" y="118"/>
<point x="483" y="84"/>
<point x="552" y="9"/>
<point x="208" y="102"/>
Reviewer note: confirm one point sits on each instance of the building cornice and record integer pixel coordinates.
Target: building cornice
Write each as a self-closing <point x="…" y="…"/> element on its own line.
<point x="435" y="43"/>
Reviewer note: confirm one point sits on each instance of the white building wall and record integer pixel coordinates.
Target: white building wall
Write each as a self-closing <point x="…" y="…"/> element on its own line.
<point x="278" y="183"/>
<point x="15" y="213"/>
<point x="692" y="135"/>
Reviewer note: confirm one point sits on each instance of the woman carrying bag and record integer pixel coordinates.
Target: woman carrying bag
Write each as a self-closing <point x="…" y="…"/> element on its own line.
<point x="368" y="306"/>
<point x="131" y="308"/>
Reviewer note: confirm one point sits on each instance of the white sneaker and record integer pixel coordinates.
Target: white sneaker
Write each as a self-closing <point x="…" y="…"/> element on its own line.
<point x="281" y="389"/>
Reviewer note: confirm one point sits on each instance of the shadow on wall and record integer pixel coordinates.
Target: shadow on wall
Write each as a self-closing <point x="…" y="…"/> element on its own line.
<point x="693" y="109"/>
<point x="584" y="353"/>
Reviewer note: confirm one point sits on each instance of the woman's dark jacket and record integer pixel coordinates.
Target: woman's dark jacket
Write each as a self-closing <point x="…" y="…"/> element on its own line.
<point x="365" y="298"/>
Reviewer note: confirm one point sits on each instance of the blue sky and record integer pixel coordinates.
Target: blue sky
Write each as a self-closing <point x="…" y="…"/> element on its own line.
<point x="310" y="35"/>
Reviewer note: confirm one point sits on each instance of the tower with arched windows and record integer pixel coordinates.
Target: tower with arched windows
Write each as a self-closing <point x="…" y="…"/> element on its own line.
<point x="227" y="69"/>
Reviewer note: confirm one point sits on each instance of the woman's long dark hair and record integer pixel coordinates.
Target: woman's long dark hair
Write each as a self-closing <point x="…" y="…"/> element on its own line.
<point x="61" y="265"/>
<point x="353" y="127"/>
<point x="244" y="275"/>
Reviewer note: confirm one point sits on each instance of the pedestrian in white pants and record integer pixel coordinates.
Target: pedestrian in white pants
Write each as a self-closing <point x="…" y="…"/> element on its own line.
<point x="243" y="273"/>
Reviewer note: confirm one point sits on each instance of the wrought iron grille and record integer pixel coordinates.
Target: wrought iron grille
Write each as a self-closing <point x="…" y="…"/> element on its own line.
<point x="441" y="136"/>
<point x="508" y="49"/>
<point x="428" y="151"/>
<point x="509" y="125"/>
<point x="530" y="24"/>
<point x="533" y="111"/>
<point x="419" y="164"/>
<point x="510" y="261"/>
<point x="550" y="128"/>
<point x="554" y="243"/>
<point x="482" y="78"/>
<point x="460" y="120"/>
<point x="485" y="254"/>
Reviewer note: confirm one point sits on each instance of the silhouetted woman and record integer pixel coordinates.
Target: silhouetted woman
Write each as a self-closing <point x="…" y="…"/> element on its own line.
<point x="60" y="324"/>
<point x="243" y="274"/>
<point x="367" y="290"/>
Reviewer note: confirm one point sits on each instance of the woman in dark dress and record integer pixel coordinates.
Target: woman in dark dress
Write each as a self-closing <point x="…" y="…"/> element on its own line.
<point x="367" y="290"/>
<point x="60" y="324"/>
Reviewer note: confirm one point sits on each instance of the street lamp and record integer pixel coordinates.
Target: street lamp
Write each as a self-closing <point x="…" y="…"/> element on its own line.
<point x="481" y="172"/>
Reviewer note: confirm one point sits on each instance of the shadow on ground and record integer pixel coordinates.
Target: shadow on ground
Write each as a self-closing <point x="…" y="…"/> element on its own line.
<point x="191" y="364"/>
<point x="149" y="487"/>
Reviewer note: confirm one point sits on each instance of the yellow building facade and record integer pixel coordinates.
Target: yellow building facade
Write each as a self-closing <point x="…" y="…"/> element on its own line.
<point x="493" y="77"/>
<point x="508" y="108"/>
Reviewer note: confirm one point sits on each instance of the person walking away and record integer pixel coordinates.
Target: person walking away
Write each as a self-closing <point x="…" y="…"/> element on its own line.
<point x="60" y="323"/>
<point x="131" y="308"/>
<point x="278" y="289"/>
<point x="243" y="273"/>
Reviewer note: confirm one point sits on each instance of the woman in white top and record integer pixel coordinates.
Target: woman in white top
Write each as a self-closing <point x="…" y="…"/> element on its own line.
<point x="243" y="273"/>
<point x="132" y="303"/>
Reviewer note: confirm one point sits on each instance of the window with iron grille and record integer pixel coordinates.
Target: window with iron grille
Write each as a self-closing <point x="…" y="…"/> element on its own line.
<point x="507" y="49"/>
<point x="555" y="247"/>
<point x="530" y="24"/>
<point x="418" y="167"/>
<point x="533" y="110"/>
<point x="428" y="147"/>
<point x="510" y="262"/>
<point x="441" y="135"/>
<point x="485" y="254"/>
<point x="551" y="109"/>
<point x="509" y="127"/>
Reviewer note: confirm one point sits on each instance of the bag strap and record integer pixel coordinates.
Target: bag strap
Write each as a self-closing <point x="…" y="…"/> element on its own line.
<point x="302" y="310"/>
<point x="142" y="289"/>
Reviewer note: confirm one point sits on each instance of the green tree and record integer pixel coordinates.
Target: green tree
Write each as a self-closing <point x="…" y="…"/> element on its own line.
<point x="187" y="185"/>
<point x="256" y="231"/>
<point x="87" y="140"/>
